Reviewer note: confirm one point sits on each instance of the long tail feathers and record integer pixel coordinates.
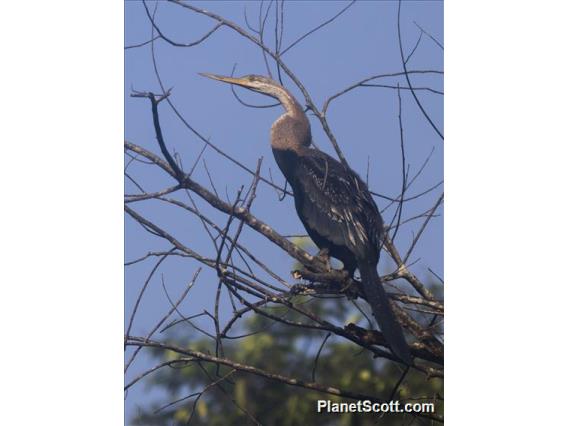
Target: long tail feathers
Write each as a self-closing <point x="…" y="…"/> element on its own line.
<point x="378" y="299"/>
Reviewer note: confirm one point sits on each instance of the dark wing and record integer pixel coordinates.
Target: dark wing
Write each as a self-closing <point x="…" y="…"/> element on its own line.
<point x="335" y="202"/>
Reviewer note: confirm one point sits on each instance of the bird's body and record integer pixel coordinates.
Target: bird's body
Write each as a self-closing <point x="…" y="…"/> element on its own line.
<point x="332" y="202"/>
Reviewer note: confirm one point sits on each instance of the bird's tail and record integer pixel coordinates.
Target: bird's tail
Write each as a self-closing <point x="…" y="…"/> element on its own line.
<point x="378" y="299"/>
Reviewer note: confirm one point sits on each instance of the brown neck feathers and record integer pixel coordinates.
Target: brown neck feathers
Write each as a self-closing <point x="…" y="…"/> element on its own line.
<point x="291" y="131"/>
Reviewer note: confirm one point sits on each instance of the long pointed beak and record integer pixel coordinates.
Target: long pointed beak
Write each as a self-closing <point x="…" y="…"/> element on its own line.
<point x="231" y="80"/>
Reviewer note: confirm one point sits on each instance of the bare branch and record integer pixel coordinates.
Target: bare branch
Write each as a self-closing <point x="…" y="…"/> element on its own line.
<point x="429" y="35"/>
<point x="170" y="41"/>
<point x="408" y="78"/>
<point x="329" y="21"/>
<point x="330" y="390"/>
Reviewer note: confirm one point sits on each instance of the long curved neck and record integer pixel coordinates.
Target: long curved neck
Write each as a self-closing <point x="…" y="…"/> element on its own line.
<point x="291" y="131"/>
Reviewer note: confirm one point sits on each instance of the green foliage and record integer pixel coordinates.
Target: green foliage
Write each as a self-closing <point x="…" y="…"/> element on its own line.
<point x="289" y="351"/>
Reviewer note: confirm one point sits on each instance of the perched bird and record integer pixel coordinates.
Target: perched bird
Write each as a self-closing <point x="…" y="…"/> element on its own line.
<point x="332" y="202"/>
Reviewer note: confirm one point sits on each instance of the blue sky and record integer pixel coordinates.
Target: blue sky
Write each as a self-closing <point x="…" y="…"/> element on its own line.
<point x="360" y="43"/>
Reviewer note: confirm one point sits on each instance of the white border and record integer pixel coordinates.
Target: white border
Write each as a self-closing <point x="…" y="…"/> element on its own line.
<point x="61" y="301"/>
<point x="505" y="212"/>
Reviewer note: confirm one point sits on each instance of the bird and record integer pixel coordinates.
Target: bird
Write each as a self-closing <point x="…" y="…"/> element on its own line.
<point x="332" y="202"/>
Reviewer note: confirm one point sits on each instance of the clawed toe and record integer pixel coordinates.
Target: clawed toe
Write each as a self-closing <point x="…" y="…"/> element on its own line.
<point x="324" y="255"/>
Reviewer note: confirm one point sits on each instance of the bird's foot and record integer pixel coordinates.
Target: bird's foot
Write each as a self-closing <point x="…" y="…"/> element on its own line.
<point x="348" y="282"/>
<point x="324" y="255"/>
<point x="297" y="274"/>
